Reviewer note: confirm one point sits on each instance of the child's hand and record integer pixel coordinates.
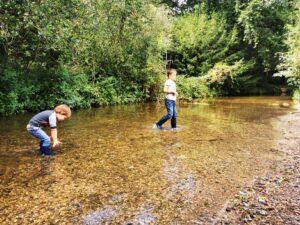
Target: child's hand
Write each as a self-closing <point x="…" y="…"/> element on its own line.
<point x="56" y="143"/>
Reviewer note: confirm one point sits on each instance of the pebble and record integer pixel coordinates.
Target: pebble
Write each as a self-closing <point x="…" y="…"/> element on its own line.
<point x="263" y="212"/>
<point x="273" y="199"/>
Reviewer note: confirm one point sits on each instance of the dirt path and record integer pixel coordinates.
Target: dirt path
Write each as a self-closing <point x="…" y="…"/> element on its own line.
<point x="275" y="198"/>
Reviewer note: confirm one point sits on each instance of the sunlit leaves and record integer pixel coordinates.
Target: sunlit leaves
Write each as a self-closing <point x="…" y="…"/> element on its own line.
<point x="290" y="66"/>
<point x="200" y="41"/>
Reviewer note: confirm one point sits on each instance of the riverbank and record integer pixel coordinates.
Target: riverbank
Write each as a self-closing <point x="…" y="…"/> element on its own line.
<point x="274" y="198"/>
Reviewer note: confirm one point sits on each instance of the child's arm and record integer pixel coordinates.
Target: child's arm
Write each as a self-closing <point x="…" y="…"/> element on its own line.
<point x="54" y="137"/>
<point x="167" y="91"/>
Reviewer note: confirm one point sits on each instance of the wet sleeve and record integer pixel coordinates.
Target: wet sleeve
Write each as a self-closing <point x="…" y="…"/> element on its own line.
<point x="52" y="120"/>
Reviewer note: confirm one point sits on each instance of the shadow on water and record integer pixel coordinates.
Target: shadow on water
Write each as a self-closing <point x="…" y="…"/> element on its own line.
<point x="114" y="169"/>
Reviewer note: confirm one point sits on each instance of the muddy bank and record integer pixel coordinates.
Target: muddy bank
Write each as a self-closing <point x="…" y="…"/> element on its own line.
<point x="274" y="198"/>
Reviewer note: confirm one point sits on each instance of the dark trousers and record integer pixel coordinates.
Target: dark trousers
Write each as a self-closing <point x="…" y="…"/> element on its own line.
<point x="172" y="113"/>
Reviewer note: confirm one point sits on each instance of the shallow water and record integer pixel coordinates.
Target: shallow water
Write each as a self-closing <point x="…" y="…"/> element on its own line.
<point x="114" y="169"/>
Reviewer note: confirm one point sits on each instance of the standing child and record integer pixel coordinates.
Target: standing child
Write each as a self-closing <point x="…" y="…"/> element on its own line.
<point x="48" y="118"/>
<point x="170" y="100"/>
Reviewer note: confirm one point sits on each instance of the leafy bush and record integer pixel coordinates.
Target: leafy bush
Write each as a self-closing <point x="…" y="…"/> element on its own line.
<point x="192" y="87"/>
<point x="111" y="90"/>
<point x="16" y="90"/>
<point x="296" y="95"/>
<point x="227" y="79"/>
<point x="40" y="89"/>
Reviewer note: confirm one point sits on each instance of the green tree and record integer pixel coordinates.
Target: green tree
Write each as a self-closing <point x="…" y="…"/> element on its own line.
<point x="77" y="48"/>
<point x="200" y="41"/>
<point x="290" y="61"/>
<point x="263" y="24"/>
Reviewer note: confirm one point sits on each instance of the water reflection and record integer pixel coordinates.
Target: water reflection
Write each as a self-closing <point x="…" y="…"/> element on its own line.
<point x="114" y="169"/>
<point x="48" y="166"/>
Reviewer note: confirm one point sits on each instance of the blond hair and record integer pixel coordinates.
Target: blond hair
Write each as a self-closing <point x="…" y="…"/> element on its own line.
<point x="63" y="110"/>
<point x="171" y="71"/>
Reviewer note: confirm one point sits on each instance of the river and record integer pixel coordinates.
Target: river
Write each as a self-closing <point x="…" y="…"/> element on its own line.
<point x="113" y="168"/>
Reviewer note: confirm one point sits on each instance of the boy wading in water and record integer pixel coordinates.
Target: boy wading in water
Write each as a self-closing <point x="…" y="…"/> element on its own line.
<point x="170" y="100"/>
<point x="44" y="119"/>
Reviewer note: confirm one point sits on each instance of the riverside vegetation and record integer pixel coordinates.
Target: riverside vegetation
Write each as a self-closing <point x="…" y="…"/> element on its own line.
<point x="94" y="52"/>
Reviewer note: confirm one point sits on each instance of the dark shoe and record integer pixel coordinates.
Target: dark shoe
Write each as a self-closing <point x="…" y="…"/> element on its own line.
<point x="46" y="151"/>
